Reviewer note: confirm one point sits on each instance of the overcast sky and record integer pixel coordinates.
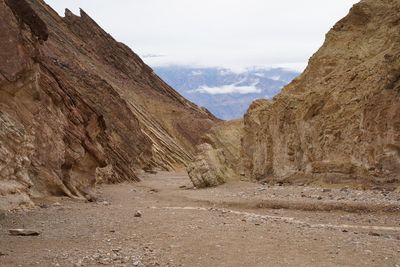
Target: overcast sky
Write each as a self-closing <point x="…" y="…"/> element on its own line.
<point x="227" y="33"/>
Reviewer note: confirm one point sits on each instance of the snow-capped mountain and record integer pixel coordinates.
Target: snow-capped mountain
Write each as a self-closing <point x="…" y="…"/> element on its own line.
<point x="225" y="93"/>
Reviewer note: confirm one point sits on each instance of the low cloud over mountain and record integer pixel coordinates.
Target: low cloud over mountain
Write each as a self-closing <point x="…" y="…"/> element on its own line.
<point x="225" y="93"/>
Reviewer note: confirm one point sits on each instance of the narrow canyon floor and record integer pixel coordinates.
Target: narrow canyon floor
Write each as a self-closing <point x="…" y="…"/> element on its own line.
<point x="163" y="221"/>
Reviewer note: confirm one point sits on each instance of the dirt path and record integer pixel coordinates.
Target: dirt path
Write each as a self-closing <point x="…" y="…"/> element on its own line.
<point x="239" y="224"/>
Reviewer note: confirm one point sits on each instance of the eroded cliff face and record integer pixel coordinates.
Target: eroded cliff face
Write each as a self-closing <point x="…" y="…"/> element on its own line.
<point x="77" y="107"/>
<point x="339" y="122"/>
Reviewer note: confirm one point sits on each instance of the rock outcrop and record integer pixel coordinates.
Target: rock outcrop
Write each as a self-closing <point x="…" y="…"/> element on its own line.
<point x="338" y="122"/>
<point x="77" y="107"/>
<point x="218" y="158"/>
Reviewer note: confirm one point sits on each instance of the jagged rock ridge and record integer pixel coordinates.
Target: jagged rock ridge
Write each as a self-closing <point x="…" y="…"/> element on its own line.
<point x="77" y="107"/>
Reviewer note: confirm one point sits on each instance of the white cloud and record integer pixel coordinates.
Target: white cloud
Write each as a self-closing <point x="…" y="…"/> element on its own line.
<point x="228" y="89"/>
<point x="151" y="56"/>
<point x="229" y="33"/>
<point x="197" y="73"/>
<point x="275" y="78"/>
<point x="259" y="74"/>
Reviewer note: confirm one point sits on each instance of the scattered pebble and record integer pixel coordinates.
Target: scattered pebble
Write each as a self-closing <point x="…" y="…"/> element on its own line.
<point x="23" y="232"/>
<point x="374" y="234"/>
<point x="138" y="214"/>
<point x="137" y="263"/>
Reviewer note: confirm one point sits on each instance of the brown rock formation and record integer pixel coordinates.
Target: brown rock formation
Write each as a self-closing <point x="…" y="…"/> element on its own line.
<point x="339" y="122"/>
<point x="218" y="158"/>
<point x="77" y="106"/>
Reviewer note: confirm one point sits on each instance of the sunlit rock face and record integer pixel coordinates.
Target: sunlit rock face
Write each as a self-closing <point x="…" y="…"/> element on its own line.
<point x="78" y="108"/>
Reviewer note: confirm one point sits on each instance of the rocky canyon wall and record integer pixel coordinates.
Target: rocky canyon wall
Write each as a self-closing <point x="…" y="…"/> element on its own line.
<point x="338" y="122"/>
<point x="77" y="108"/>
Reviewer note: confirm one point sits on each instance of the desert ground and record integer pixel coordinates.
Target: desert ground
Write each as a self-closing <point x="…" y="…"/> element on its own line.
<point x="164" y="221"/>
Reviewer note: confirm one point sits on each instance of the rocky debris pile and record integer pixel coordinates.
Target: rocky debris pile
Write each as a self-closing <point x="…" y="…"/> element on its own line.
<point x="338" y="122"/>
<point x="79" y="108"/>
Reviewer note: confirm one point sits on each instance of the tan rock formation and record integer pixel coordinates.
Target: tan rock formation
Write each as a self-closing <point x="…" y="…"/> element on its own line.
<point x="339" y="122"/>
<point x="77" y="106"/>
<point x="218" y="158"/>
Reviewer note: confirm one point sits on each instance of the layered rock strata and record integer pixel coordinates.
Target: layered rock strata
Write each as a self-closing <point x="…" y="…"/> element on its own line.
<point x="78" y="107"/>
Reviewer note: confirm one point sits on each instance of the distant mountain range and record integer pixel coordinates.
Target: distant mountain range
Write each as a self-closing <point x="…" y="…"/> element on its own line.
<point x="225" y="93"/>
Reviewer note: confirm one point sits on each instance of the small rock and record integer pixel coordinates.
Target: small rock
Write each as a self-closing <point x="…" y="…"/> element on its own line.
<point x="154" y="190"/>
<point x="137" y="263"/>
<point x="325" y="190"/>
<point x="138" y="214"/>
<point x="319" y="198"/>
<point x="182" y="186"/>
<point x="344" y="231"/>
<point x="374" y="234"/>
<point x="43" y="206"/>
<point x="57" y="204"/>
<point x="23" y="232"/>
<point x="91" y="198"/>
<point x="105" y="203"/>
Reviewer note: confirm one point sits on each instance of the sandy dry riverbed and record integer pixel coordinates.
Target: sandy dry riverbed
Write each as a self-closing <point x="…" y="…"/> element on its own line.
<point x="238" y="224"/>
